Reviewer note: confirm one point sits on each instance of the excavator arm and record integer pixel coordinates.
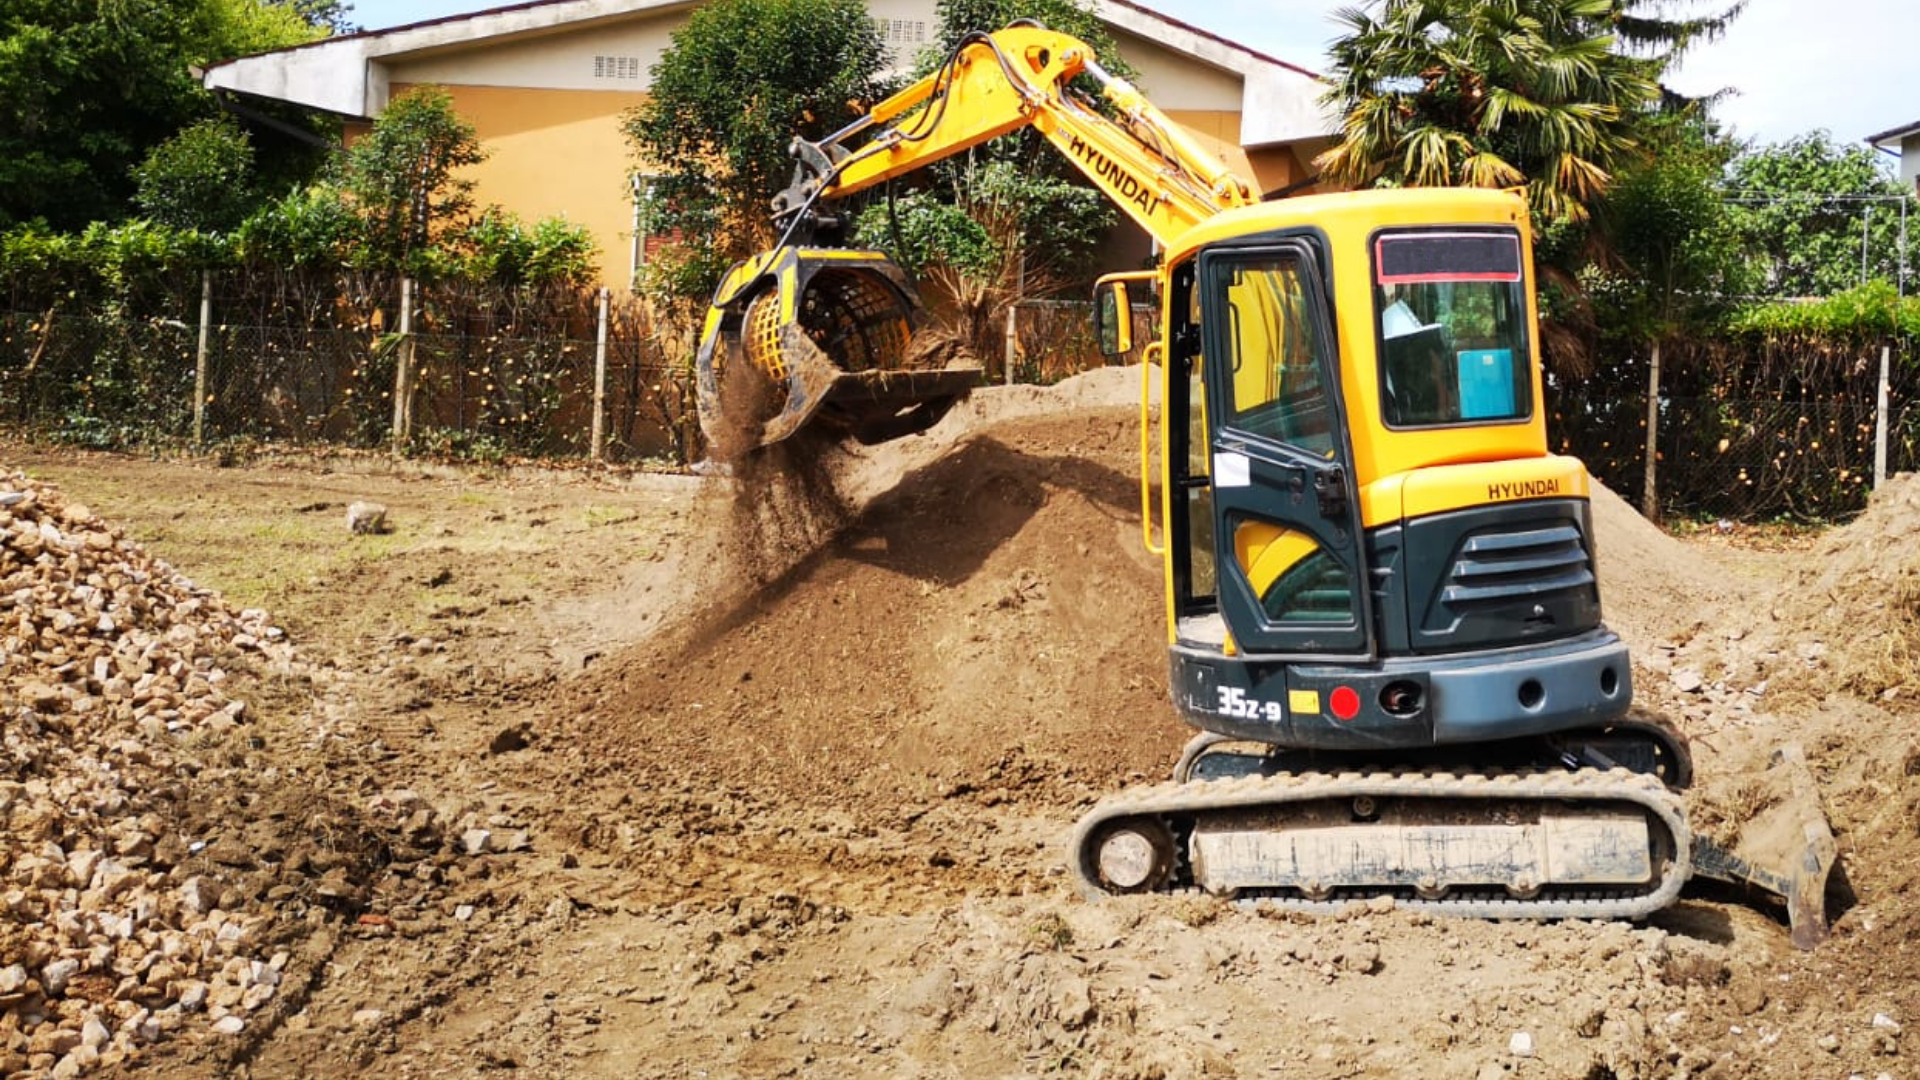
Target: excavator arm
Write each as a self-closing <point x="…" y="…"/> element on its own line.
<point x="823" y="336"/>
<point x="1020" y="77"/>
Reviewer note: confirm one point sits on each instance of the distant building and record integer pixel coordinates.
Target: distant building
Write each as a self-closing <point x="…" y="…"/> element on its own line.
<point x="545" y="84"/>
<point x="1907" y="141"/>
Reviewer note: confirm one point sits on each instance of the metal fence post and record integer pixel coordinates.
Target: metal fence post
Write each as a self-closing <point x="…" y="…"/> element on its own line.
<point x="1650" y="495"/>
<point x="1880" y="421"/>
<point x="403" y="371"/>
<point x="200" y="363"/>
<point x="596" y="445"/>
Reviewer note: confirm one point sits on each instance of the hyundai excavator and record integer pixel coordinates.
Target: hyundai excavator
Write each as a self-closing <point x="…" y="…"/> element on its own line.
<point x="1382" y="611"/>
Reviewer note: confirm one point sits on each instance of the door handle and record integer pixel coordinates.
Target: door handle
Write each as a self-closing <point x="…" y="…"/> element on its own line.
<point x="1330" y="491"/>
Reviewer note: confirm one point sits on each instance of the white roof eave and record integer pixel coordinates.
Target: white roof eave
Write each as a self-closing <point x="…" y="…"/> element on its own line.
<point x="1279" y="103"/>
<point x="317" y="76"/>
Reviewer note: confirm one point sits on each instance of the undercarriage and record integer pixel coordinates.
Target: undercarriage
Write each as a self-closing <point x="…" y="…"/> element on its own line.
<point x="1579" y="825"/>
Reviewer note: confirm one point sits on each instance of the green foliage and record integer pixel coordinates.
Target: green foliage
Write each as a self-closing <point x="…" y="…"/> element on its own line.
<point x="1487" y="93"/>
<point x="741" y="80"/>
<point x="331" y="16"/>
<point x="201" y="178"/>
<point x="992" y="214"/>
<point x="1864" y="315"/>
<point x="499" y="247"/>
<point x="244" y="27"/>
<point x="91" y="87"/>
<point x="919" y="230"/>
<point x="1802" y="206"/>
<point x="141" y="255"/>
<point x="404" y="178"/>
<point x="996" y="236"/>
<point x="1671" y="236"/>
<point x="1075" y="17"/>
<point x="313" y="226"/>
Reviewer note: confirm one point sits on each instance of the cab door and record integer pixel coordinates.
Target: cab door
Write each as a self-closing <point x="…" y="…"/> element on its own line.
<point x="1291" y="576"/>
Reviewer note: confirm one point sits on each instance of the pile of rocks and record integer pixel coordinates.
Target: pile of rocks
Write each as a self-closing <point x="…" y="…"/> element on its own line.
<point x="109" y="662"/>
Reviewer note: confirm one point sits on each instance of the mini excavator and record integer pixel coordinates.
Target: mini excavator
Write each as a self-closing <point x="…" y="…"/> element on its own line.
<point x="1382" y="611"/>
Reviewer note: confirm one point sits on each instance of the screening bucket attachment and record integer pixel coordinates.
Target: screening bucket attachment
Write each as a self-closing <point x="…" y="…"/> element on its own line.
<point x="818" y="337"/>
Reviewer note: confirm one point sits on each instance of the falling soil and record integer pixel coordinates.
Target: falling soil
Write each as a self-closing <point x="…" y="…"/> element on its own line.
<point x="790" y="793"/>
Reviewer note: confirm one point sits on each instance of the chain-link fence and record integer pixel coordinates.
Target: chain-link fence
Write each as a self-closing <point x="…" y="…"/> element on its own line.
<point x="1745" y="459"/>
<point x="488" y="373"/>
<point x="485" y="372"/>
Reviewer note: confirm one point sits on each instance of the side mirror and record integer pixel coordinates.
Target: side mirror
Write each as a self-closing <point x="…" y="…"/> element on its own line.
<point x="1112" y="318"/>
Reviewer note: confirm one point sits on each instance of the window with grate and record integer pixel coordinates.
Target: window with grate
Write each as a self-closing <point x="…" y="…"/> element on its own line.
<point x="624" y="68"/>
<point x="902" y="31"/>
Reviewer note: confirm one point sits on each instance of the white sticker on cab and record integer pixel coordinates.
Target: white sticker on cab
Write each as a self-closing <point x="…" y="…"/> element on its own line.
<point x="1231" y="470"/>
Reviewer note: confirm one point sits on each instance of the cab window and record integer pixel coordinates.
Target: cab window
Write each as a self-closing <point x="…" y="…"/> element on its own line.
<point x="1275" y="386"/>
<point x="1450" y="312"/>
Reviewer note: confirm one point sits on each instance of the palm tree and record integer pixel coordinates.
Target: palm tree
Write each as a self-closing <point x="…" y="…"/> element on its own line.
<point x="1488" y="93"/>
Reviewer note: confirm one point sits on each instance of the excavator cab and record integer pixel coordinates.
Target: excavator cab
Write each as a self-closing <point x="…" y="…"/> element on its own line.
<point x="822" y="338"/>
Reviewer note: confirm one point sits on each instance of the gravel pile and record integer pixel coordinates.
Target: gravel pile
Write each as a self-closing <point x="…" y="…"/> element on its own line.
<point x="110" y="665"/>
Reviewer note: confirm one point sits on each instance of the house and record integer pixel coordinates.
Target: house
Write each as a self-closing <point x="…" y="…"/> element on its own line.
<point x="545" y="83"/>
<point x="1906" y="140"/>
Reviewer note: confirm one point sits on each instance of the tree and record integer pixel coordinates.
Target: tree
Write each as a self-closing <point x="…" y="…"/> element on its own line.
<point x="91" y="87"/>
<point x="1675" y="250"/>
<point x="404" y="177"/>
<point x="331" y="15"/>
<point x="202" y="178"/>
<point x="996" y="235"/>
<point x="741" y="80"/>
<point x="1809" y="210"/>
<point x="1486" y="93"/>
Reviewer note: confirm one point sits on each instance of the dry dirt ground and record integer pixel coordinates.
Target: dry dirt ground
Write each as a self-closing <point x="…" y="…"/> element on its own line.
<point x="637" y="778"/>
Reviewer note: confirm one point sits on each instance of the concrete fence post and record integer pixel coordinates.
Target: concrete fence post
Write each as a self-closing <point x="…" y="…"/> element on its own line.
<point x="200" y="363"/>
<point x="1013" y="339"/>
<point x="1880" y="421"/>
<point x="597" y="441"/>
<point x="403" y="372"/>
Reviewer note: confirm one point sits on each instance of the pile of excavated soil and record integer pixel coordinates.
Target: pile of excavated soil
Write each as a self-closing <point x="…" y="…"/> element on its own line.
<point x="995" y="601"/>
<point x="1849" y="614"/>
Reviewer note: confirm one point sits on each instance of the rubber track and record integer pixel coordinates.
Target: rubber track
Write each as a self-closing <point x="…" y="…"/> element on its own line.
<point x="1585" y="785"/>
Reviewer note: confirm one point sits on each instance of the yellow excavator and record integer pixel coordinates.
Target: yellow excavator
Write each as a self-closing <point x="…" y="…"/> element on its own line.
<point x="1382" y="611"/>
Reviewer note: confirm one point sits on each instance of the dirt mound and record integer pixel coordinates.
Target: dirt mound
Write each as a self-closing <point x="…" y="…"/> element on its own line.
<point x="818" y="830"/>
<point x="1850" y="613"/>
<point x="993" y="602"/>
<point x="1643" y="571"/>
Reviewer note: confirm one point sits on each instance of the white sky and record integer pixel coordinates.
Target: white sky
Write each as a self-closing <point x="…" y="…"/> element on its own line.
<point x="1849" y="66"/>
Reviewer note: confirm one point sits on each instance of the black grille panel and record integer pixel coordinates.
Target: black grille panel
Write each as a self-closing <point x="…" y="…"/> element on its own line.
<point x="1518" y="565"/>
<point x="1506" y="574"/>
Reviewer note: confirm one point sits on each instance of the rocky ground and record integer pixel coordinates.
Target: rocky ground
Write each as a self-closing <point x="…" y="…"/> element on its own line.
<point x="599" y="775"/>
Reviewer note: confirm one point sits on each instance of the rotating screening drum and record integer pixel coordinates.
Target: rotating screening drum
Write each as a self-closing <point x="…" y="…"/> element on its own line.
<point x="818" y="337"/>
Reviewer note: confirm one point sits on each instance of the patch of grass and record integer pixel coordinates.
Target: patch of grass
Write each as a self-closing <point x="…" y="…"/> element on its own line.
<point x="598" y="516"/>
<point x="1052" y="931"/>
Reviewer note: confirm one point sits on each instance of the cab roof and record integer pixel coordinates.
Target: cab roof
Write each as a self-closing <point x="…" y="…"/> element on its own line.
<point x="1350" y="216"/>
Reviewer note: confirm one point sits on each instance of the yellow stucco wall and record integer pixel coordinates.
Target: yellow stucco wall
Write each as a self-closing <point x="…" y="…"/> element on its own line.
<point x="555" y="153"/>
<point x="560" y="152"/>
